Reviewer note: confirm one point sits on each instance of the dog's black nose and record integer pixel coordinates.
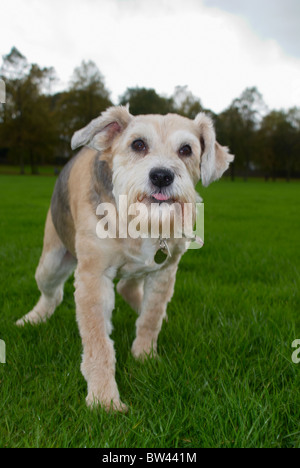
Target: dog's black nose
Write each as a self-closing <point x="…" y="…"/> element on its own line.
<point x="161" y="177"/>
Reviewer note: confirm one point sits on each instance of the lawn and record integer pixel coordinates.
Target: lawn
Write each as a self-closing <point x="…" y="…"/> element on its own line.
<point x="225" y="377"/>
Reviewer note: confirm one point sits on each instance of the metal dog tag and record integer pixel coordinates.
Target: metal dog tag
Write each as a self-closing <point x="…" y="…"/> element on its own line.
<point x="160" y="256"/>
<point x="163" y="253"/>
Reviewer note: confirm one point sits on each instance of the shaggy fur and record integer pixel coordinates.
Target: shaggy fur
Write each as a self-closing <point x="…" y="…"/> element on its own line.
<point x="106" y="168"/>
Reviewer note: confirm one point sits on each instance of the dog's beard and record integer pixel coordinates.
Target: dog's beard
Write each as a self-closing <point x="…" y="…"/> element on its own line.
<point x="146" y="212"/>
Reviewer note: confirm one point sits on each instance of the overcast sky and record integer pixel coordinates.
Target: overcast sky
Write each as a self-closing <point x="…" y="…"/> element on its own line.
<point x="215" y="47"/>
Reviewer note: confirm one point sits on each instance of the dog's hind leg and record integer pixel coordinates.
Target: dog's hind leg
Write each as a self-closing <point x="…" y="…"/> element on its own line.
<point x="55" y="266"/>
<point x="132" y="291"/>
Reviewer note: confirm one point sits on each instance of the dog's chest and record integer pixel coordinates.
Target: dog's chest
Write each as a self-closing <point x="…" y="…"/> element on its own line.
<point x="140" y="259"/>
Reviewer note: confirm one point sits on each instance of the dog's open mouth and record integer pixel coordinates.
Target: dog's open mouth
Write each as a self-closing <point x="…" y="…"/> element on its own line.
<point x="157" y="198"/>
<point x="161" y="198"/>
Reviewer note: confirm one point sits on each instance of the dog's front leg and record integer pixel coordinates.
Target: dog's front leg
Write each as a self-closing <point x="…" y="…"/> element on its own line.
<point x="94" y="297"/>
<point x="158" y="291"/>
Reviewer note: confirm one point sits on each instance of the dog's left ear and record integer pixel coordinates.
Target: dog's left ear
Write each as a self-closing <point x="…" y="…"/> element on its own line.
<point x="215" y="159"/>
<point x="100" y="132"/>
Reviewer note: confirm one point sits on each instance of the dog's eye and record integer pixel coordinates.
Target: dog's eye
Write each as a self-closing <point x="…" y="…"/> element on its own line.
<point x="139" y="146"/>
<point x="185" y="150"/>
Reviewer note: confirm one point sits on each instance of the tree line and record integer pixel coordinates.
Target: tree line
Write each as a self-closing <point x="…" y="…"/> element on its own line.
<point x="36" y="125"/>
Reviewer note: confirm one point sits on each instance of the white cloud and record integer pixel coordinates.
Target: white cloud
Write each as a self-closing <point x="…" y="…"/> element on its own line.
<point x="153" y="43"/>
<point x="271" y="19"/>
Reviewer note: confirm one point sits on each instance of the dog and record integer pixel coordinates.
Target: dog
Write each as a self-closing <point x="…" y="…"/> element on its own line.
<point x="152" y="159"/>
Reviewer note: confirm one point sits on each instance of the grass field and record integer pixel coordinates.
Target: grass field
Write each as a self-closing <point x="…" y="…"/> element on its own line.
<point x="225" y="377"/>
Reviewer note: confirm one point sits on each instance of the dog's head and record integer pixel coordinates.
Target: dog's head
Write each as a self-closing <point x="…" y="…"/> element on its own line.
<point x="154" y="158"/>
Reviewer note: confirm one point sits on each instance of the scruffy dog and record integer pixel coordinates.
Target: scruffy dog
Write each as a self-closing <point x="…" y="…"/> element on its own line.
<point x="152" y="159"/>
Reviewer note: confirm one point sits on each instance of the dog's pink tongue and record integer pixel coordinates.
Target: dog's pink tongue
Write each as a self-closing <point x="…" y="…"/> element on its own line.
<point x="160" y="197"/>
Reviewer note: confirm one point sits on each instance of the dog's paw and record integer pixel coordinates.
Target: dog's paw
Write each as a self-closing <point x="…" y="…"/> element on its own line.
<point x="32" y="317"/>
<point x="114" y="405"/>
<point x="20" y="323"/>
<point x="143" y="349"/>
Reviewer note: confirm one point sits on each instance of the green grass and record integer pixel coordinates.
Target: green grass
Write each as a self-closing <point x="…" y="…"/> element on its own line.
<point x="225" y="377"/>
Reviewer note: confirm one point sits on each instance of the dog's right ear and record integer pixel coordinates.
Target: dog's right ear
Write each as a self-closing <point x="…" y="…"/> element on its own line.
<point x="215" y="159"/>
<point x="100" y="132"/>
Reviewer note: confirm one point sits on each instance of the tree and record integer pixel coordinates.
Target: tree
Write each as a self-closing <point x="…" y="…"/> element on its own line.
<point x="146" y="101"/>
<point x="27" y="125"/>
<point x="229" y="128"/>
<point x="280" y="143"/>
<point x="245" y="114"/>
<point x="185" y="103"/>
<point x="293" y="117"/>
<point x="85" y="99"/>
<point x="88" y="90"/>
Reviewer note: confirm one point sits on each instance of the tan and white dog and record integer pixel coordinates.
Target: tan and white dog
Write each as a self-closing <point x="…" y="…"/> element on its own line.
<point x="150" y="159"/>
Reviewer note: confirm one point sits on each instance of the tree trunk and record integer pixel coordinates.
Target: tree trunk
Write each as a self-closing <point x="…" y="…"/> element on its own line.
<point x="34" y="169"/>
<point x="21" y="163"/>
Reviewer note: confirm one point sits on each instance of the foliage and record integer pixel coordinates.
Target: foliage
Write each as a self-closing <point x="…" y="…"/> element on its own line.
<point x="36" y="125"/>
<point x="85" y="99"/>
<point x="279" y="137"/>
<point x="185" y="103"/>
<point x="145" y="101"/>
<point x="27" y="128"/>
